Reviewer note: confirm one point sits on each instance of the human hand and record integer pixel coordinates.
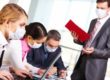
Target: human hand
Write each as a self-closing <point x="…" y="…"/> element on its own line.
<point x="62" y="74"/>
<point x="5" y="75"/>
<point x="40" y="72"/>
<point x="23" y="73"/>
<point x="88" y="50"/>
<point x="52" y="71"/>
<point x="75" y="36"/>
<point x="27" y="68"/>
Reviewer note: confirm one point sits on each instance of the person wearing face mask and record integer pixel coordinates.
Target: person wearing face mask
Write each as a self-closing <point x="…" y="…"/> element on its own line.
<point x="43" y="56"/>
<point x="18" y="34"/>
<point x="92" y="63"/>
<point x="12" y="17"/>
<point x="17" y="50"/>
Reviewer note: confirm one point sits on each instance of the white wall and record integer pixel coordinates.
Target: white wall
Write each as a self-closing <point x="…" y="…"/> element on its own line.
<point x="54" y="14"/>
<point x="25" y="4"/>
<point x="3" y="2"/>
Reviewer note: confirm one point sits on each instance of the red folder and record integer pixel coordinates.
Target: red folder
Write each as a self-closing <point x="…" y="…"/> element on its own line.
<point x="82" y="35"/>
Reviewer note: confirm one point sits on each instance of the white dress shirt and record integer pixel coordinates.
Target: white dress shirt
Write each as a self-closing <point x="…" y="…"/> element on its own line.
<point x="3" y="42"/>
<point x="3" y="46"/>
<point x="13" y="57"/>
<point x="102" y="22"/>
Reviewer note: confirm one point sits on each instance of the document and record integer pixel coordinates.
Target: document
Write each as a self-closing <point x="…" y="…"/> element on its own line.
<point x="82" y="35"/>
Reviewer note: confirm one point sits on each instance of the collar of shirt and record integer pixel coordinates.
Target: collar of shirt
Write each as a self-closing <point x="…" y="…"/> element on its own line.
<point x="3" y="40"/>
<point x="25" y="45"/>
<point x="103" y="20"/>
<point x="25" y="48"/>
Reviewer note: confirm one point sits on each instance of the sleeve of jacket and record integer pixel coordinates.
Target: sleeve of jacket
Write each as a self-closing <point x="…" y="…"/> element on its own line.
<point x="30" y="57"/>
<point x="102" y="53"/>
<point x="59" y="63"/>
<point x="15" y="54"/>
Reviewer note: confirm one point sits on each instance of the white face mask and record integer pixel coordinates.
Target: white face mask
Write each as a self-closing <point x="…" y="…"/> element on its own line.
<point x="101" y="13"/>
<point x="35" y="45"/>
<point x="49" y="49"/>
<point x="18" y="34"/>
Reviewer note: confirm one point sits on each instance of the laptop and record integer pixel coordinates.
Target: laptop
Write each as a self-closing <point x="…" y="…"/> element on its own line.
<point x="37" y="77"/>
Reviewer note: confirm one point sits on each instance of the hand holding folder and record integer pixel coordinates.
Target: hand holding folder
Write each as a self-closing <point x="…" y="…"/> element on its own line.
<point x="82" y="35"/>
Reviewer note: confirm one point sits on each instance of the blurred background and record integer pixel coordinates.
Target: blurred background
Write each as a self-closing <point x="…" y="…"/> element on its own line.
<point x="54" y="14"/>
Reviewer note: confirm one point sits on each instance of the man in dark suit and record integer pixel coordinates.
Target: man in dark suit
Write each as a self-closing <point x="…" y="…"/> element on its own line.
<point x="92" y="63"/>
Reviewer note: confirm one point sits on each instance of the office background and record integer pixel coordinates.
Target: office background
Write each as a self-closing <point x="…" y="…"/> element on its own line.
<point x="54" y="14"/>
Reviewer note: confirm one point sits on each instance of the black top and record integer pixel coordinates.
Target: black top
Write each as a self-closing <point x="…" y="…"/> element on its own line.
<point x="39" y="57"/>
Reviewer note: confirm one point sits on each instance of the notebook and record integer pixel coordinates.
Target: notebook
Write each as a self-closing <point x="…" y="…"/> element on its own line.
<point x="82" y="35"/>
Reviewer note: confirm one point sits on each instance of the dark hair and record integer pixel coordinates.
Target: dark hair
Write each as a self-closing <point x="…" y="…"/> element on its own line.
<point x="36" y="30"/>
<point x="53" y="34"/>
<point x="108" y="1"/>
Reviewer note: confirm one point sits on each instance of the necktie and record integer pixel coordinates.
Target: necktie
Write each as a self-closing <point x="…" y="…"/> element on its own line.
<point x="93" y="33"/>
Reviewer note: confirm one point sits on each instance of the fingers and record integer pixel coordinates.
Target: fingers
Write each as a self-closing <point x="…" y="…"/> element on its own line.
<point x="25" y="74"/>
<point x="30" y="75"/>
<point x="75" y="36"/>
<point x="3" y="78"/>
<point x="40" y="72"/>
<point x="88" y="50"/>
<point x="6" y="75"/>
<point x="52" y="71"/>
<point x="22" y="73"/>
<point x="11" y="77"/>
<point x="62" y="74"/>
<point x="48" y="75"/>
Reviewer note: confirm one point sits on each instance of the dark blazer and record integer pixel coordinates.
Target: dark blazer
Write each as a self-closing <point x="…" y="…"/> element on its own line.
<point x="42" y="59"/>
<point x="93" y="67"/>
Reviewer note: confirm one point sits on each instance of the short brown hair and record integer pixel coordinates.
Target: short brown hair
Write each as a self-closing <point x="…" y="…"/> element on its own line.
<point x="54" y="34"/>
<point x="11" y="12"/>
<point x="108" y="1"/>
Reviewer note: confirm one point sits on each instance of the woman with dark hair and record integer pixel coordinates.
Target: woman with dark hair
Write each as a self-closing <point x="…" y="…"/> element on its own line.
<point x="43" y="56"/>
<point x="34" y="37"/>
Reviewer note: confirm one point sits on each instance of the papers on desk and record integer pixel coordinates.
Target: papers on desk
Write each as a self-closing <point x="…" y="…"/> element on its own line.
<point x="53" y="77"/>
<point x="82" y="35"/>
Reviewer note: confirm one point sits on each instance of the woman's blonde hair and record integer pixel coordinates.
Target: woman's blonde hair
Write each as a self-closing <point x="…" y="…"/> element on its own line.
<point x="11" y="12"/>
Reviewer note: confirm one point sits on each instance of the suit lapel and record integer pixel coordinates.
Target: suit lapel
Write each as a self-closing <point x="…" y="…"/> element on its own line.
<point x="104" y="27"/>
<point x="92" y="25"/>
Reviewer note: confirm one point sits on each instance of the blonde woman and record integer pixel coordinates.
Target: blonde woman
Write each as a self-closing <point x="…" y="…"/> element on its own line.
<point x="12" y="26"/>
<point x="18" y="49"/>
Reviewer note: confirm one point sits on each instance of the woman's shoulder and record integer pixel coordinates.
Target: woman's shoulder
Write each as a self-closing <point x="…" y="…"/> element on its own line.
<point x="14" y="43"/>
